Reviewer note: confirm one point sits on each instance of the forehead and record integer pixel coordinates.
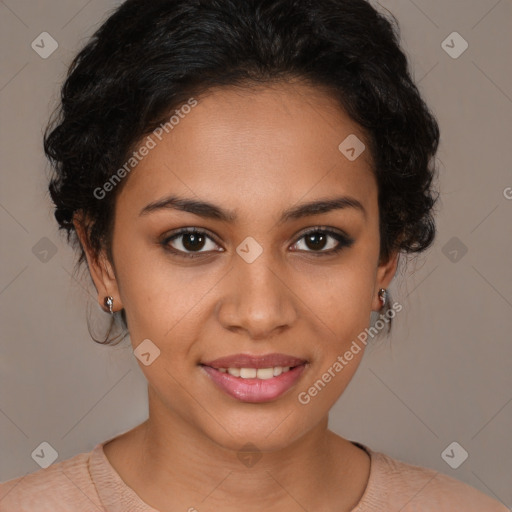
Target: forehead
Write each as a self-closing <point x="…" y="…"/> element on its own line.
<point x="254" y="147"/>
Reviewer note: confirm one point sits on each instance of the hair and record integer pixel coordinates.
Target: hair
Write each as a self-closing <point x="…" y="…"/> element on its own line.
<point x="148" y="58"/>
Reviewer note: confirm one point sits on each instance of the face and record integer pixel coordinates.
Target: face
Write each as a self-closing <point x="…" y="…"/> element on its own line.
<point x="266" y="274"/>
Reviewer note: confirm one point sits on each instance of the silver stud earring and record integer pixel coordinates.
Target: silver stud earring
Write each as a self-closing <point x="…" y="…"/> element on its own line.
<point x="383" y="295"/>
<point x="109" y="303"/>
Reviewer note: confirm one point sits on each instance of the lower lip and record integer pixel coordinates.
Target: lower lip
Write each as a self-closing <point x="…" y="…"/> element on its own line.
<point x="255" y="390"/>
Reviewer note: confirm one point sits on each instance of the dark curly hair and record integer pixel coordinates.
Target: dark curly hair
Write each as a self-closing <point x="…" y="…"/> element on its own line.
<point x="149" y="57"/>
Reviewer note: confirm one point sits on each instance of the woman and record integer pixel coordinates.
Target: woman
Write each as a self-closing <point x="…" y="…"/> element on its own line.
<point x="241" y="178"/>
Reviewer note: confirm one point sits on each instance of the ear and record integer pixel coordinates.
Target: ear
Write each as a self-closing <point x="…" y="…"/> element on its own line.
<point x="385" y="273"/>
<point x="100" y="268"/>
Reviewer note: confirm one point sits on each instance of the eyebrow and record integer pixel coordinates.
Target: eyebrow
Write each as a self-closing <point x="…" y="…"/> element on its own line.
<point x="211" y="211"/>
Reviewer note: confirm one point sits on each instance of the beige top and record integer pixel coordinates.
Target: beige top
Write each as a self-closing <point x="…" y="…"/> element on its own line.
<point x="88" y="483"/>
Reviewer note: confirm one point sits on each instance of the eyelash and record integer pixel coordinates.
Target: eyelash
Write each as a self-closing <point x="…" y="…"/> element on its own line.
<point x="343" y="241"/>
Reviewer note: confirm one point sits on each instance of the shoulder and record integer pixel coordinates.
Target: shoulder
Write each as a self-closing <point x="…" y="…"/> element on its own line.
<point x="62" y="487"/>
<point x="395" y="484"/>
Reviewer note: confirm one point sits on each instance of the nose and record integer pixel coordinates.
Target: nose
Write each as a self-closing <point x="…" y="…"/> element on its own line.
<point x="258" y="300"/>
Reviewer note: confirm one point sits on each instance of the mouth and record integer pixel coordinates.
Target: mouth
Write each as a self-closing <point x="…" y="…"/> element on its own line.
<point x="255" y="379"/>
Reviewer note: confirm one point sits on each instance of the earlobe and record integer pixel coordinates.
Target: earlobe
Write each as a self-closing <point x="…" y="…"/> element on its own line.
<point x="385" y="273"/>
<point x="100" y="268"/>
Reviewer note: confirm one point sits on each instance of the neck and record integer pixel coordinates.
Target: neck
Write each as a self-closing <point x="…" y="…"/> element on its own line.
<point x="175" y="467"/>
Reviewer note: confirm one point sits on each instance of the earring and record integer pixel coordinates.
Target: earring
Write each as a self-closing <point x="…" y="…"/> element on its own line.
<point x="383" y="295"/>
<point x="109" y="303"/>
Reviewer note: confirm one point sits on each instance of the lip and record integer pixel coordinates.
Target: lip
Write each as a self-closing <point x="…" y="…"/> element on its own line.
<point x="255" y="390"/>
<point x="255" y="361"/>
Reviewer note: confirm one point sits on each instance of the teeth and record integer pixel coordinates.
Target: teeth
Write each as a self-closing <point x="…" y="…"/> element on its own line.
<point x="255" y="373"/>
<point x="278" y="370"/>
<point x="265" y="373"/>
<point x="248" y="373"/>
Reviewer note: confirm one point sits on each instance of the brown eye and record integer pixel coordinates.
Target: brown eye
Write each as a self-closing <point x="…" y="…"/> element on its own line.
<point x="316" y="241"/>
<point x="186" y="242"/>
<point x="323" y="241"/>
<point x="193" y="241"/>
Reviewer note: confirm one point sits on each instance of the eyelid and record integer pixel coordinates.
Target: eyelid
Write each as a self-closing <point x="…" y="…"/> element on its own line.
<point x="326" y="229"/>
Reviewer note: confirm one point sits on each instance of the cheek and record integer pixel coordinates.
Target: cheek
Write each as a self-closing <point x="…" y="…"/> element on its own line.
<point x="341" y="296"/>
<point x="162" y="300"/>
<point x="342" y="307"/>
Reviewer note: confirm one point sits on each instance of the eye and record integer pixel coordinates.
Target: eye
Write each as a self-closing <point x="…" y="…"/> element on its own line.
<point x="191" y="242"/>
<point x="323" y="241"/>
<point x="188" y="241"/>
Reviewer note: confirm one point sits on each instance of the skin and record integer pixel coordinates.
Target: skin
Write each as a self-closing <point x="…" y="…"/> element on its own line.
<point x="256" y="152"/>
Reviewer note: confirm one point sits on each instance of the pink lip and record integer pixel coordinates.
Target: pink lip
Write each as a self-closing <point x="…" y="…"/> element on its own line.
<point x="255" y="390"/>
<point x="252" y="361"/>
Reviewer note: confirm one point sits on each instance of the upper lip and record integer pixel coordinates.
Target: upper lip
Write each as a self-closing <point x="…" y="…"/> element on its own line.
<point x="254" y="361"/>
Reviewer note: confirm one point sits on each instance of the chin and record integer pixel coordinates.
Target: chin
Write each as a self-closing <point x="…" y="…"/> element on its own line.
<point x="268" y="432"/>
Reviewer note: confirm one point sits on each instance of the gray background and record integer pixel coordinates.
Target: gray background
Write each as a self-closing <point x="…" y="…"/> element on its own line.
<point x="443" y="376"/>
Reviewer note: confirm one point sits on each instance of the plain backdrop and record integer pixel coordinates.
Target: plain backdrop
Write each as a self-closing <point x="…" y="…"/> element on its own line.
<point x="443" y="376"/>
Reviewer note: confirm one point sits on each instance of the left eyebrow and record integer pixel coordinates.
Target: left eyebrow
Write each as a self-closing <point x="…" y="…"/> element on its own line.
<point x="322" y="206"/>
<point x="211" y="211"/>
